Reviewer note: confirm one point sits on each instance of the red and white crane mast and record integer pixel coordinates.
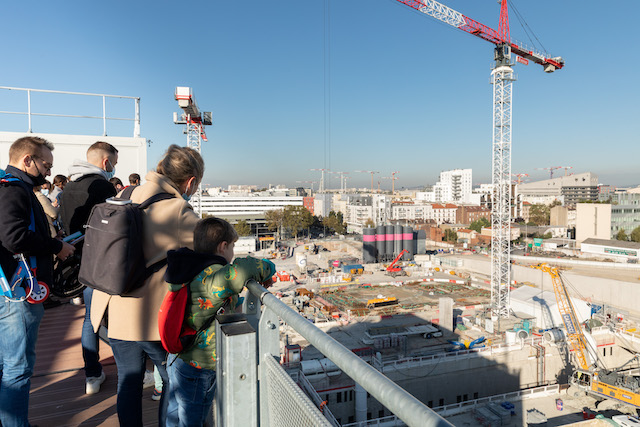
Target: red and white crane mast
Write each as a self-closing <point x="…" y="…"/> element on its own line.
<point x="502" y="78"/>
<point x="195" y="121"/>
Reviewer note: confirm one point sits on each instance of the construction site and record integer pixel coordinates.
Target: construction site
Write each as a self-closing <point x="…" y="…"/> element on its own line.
<point x="429" y="327"/>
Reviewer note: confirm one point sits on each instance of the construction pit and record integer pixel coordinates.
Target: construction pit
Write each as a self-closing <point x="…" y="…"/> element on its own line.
<point x="410" y="296"/>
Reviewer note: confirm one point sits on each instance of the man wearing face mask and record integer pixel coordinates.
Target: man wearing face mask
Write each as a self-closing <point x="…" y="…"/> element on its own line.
<point x="88" y="185"/>
<point x="23" y="229"/>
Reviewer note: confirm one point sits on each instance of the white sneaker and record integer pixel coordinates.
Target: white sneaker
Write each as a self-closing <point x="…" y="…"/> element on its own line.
<point x="93" y="383"/>
<point x="149" y="380"/>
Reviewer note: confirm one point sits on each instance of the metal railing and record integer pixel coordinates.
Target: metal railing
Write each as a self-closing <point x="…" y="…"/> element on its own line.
<point x="29" y="113"/>
<point x="280" y="401"/>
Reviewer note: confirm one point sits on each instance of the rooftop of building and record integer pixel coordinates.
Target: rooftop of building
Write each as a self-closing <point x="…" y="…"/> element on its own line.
<point x="614" y="243"/>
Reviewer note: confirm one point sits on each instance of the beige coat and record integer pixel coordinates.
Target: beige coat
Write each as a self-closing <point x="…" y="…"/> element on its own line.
<point x="50" y="210"/>
<point x="168" y="224"/>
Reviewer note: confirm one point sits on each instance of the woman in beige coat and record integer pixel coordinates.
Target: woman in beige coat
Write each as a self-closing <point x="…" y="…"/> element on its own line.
<point x="132" y="321"/>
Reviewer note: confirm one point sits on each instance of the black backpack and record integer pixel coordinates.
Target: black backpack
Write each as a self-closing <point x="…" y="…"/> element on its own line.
<point x="112" y="256"/>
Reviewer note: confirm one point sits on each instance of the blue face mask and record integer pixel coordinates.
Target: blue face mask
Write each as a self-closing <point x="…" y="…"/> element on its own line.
<point x="112" y="173"/>
<point x="186" y="197"/>
<point x="45" y="191"/>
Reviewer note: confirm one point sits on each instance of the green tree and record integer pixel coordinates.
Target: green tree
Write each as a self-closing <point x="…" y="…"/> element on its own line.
<point x="274" y="219"/>
<point x="478" y="224"/>
<point x="296" y="219"/>
<point x="635" y="235"/>
<point x="369" y="223"/>
<point x="622" y="235"/>
<point x="450" y="236"/>
<point x="335" y="222"/>
<point x="242" y="228"/>
<point x="539" y="214"/>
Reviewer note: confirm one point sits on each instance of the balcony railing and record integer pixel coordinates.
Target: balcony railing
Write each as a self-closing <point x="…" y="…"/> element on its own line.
<point x="254" y="389"/>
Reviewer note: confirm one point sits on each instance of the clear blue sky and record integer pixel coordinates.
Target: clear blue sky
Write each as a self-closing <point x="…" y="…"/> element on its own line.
<point x="404" y="92"/>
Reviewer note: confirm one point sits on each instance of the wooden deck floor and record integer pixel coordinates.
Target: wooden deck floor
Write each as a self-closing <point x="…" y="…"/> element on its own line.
<point x="57" y="388"/>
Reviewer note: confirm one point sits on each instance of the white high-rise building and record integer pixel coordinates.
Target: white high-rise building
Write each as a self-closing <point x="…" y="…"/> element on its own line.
<point x="456" y="185"/>
<point x="453" y="186"/>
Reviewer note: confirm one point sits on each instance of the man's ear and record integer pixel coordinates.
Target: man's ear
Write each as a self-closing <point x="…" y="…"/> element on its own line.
<point x="222" y="246"/>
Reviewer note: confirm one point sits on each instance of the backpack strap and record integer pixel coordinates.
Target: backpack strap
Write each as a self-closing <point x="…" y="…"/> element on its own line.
<point x="155" y="198"/>
<point x="155" y="267"/>
<point x="126" y="193"/>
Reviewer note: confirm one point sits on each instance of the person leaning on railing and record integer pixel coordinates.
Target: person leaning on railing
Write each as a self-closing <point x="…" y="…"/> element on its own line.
<point x="133" y="320"/>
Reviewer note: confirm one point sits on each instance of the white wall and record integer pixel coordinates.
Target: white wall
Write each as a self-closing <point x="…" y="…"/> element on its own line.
<point x="132" y="152"/>
<point x="593" y="220"/>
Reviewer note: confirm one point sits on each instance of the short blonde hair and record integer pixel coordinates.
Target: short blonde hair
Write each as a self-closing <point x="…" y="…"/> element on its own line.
<point x="181" y="163"/>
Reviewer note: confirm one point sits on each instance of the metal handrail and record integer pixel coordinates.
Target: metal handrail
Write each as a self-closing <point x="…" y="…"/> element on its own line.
<point x="393" y="397"/>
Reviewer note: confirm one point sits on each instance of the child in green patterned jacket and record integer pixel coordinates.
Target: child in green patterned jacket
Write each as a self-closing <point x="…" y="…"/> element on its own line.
<point x="213" y="280"/>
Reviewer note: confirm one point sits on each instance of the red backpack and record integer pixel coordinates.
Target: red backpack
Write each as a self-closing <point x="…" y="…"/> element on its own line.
<point x="176" y="336"/>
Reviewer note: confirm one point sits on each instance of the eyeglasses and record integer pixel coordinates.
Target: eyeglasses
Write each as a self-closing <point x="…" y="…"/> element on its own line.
<point x="48" y="166"/>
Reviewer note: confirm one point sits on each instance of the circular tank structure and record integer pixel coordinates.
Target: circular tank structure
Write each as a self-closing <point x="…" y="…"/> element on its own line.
<point x="397" y="240"/>
<point x="369" y="250"/>
<point x="381" y="239"/>
<point x="389" y="242"/>
<point x="408" y="243"/>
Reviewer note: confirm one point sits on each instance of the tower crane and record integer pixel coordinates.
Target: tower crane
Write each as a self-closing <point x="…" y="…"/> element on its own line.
<point x="371" y="172"/>
<point x="519" y="176"/>
<point x="343" y="180"/>
<point x="393" y="182"/>
<point x="566" y="168"/>
<point x="550" y="169"/>
<point x="195" y="121"/>
<point x="502" y="79"/>
<point x="321" y="186"/>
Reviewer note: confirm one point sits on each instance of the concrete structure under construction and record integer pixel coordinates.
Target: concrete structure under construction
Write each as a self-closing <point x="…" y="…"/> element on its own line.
<point x="459" y="372"/>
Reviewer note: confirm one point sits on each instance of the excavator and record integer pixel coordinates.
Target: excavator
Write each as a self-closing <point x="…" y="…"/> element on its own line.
<point x="590" y="378"/>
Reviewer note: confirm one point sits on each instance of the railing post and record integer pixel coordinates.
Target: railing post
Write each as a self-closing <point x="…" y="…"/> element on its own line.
<point x="29" y="108"/>
<point x="268" y="346"/>
<point x="136" y="123"/>
<point x="104" y="116"/>
<point x="237" y="379"/>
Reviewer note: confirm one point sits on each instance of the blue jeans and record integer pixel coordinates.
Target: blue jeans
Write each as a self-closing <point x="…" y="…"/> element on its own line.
<point x="191" y="392"/>
<point x="19" y="323"/>
<point x="131" y="360"/>
<point x="89" y="340"/>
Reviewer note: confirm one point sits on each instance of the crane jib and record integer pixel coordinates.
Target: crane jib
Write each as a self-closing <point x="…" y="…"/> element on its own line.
<point x="456" y="19"/>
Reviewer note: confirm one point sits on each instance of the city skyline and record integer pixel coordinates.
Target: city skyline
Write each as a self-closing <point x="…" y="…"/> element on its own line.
<point x="298" y="86"/>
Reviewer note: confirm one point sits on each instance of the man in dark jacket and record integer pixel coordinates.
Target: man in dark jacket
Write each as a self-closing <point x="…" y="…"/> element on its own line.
<point x="30" y="161"/>
<point x="89" y="185"/>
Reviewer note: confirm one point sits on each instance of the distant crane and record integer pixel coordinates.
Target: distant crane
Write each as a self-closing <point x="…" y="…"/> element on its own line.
<point x="321" y="186"/>
<point x="566" y="168"/>
<point x="550" y="169"/>
<point x="343" y="180"/>
<point x="519" y="176"/>
<point x="195" y="122"/>
<point x="393" y="182"/>
<point x="372" y="173"/>
<point x="502" y="80"/>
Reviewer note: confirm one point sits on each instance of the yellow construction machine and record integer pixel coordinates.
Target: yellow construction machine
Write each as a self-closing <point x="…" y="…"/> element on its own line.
<point x="589" y="377"/>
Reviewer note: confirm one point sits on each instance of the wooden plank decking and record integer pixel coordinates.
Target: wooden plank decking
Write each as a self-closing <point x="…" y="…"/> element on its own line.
<point x="57" y="388"/>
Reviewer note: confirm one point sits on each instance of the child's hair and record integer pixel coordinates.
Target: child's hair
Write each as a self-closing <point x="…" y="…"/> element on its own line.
<point x="210" y="232"/>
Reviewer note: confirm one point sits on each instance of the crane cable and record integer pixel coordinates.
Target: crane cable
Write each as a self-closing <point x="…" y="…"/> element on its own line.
<point x="527" y="29"/>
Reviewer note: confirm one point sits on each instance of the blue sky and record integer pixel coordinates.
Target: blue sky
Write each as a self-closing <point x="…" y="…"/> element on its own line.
<point x="377" y="87"/>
